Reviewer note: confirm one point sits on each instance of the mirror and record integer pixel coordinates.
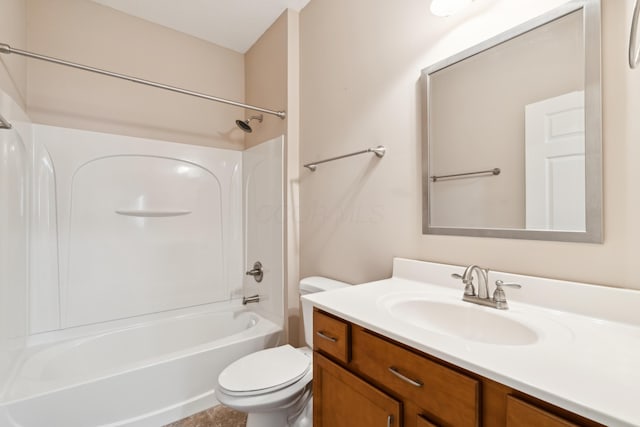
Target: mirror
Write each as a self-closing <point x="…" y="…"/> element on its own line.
<point x="512" y="144"/>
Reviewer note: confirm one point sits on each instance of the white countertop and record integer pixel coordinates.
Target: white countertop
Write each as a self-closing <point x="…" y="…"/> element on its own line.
<point x="587" y="363"/>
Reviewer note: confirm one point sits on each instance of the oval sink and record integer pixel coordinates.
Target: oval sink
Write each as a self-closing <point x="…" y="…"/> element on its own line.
<point x="463" y="320"/>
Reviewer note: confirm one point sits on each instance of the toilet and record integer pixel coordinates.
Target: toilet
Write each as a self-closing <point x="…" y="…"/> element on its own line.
<point x="274" y="385"/>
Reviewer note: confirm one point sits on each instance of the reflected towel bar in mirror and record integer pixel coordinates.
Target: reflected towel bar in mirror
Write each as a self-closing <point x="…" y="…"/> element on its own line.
<point x="494" y="171"/>
<point x="379" y="152"/>
<point x="151" y="213"/>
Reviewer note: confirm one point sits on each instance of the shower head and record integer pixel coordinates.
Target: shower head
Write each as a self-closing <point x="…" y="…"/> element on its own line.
<point x="244" y="124"/>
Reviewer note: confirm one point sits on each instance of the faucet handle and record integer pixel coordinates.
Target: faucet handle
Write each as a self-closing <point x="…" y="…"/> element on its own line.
<point x="499" y="295"/>
<point x="256" y="271"/>
<point x="508" y="284"/>
<point x="468" y="285"/>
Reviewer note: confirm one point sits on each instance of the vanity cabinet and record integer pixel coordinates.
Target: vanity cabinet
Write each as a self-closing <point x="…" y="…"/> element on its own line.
<point x="364" y="379"/>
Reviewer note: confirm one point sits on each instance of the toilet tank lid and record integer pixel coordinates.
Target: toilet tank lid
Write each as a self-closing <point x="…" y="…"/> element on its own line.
<point x="313" y="284"/>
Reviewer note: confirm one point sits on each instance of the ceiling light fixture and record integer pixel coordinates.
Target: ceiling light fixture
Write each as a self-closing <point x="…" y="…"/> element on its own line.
<point x="448" y="7"/>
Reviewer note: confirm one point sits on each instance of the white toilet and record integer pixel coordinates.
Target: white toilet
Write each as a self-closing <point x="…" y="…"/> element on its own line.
<point x="274" y="385"/>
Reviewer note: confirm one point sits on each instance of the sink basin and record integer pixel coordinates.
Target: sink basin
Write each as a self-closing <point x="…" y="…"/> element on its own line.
<point x="463" y="320"/>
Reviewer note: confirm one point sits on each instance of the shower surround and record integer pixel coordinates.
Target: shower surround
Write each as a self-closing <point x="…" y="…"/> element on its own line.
<point x="127" y="273"/>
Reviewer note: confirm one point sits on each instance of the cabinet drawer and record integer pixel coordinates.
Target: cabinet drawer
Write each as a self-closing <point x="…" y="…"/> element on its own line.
<point x="523" y="414"/>
<point x="331" y="336"/>
<point x="447" y="396"/>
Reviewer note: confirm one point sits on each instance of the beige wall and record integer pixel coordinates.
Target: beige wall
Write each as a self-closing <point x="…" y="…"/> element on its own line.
<point x="360" y="70"/>
<point x="266" y="81"/>
<point x="13" y="31"/>
<point x="272" y="81"/>
<point x="88" y="33"/>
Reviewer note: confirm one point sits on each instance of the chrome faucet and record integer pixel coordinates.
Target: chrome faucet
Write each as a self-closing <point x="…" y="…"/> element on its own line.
<point x="252" y="298"/>
<point x="498" y="300"/>
<point x="483" y="279"/>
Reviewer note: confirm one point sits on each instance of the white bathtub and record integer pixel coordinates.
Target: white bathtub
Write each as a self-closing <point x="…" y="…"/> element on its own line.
<point x="144" y="373"/>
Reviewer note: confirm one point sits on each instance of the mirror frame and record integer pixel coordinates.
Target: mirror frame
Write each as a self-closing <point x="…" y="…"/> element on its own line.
<point x="593" y="129"/>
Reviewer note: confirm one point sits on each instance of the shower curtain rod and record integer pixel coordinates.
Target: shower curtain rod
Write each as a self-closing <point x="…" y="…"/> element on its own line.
<point x="5" y="48"/>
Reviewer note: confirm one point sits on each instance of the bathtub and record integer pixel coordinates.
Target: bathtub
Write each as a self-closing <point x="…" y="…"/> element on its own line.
<point x="142" y="372"/>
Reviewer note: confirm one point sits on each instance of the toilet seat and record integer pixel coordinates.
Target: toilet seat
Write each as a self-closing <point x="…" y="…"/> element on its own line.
<point x="265" y="371"/>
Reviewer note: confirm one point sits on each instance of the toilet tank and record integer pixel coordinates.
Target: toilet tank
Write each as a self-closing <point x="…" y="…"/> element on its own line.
<point x="310" y="285"/>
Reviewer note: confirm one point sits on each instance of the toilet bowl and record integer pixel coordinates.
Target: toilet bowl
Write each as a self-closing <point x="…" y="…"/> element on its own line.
<point x="273" y="386"/>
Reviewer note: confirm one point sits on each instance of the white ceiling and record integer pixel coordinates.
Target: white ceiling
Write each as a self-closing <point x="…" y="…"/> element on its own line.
<point x="235" y="24"/>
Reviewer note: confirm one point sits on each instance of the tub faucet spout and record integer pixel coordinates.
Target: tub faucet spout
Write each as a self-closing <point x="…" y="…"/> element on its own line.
<point x="251" y="299"/>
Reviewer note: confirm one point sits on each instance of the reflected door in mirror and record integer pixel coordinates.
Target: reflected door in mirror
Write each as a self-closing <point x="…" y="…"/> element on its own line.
<point x="554" y="163"/>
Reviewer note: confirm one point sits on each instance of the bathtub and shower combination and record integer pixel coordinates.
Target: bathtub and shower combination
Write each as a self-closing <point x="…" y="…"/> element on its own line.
<point x="137" y="251"/>
<point x="146" y="374"/>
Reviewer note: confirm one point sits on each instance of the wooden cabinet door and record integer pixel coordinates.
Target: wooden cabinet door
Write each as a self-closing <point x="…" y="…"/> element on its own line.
<point x="523" y="414"/>
<point x="340" y="399"/>
<point x="423" y="422"/>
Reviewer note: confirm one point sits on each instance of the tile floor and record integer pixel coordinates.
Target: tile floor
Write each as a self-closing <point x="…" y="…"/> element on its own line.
<point x="218" y="416"/>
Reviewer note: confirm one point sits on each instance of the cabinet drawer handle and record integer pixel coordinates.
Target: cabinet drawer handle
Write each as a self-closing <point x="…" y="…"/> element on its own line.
<point x="389" y="420"/>
<point x="397" y="373"/>
<point x="326" y="337"/>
